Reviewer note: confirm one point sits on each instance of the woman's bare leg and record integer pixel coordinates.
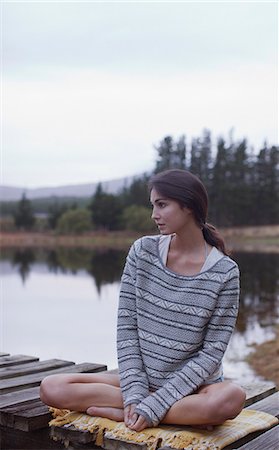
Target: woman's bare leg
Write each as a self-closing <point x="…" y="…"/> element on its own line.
<point x="211" y="405"/>
<point x="78" y="392"/>
<point x="100" y="395"/>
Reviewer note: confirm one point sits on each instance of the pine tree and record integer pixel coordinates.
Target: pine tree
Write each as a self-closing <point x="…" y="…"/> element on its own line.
<point x="23" y="215"/>
<point x="201" y="159"/>
<point x="220" y="186"/>
<point x="137" y="193"/>
<point x="239" y="179"/>
<point x="171" y="155"/>
<point x="267" y="184"/>
<point x="105" y="209"/>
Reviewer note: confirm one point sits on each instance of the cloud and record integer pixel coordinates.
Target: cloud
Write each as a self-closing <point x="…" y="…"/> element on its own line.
<point x="138" y="35"/>
<point x="90" y="87"/>
<point x="105" y="123"/>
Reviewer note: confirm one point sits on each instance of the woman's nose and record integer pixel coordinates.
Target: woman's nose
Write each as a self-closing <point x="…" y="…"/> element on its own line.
<point x="154" y="214"/>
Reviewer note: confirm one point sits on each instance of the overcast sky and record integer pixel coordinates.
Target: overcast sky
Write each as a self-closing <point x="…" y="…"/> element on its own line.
<point x="90" y="87"/>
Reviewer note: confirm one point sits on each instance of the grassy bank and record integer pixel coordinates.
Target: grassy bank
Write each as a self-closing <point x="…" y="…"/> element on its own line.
<point x="264" y="360"/>
<point x="263" y="239"/>
<point x="111" y="240"/>
<point x="252" y="239"/>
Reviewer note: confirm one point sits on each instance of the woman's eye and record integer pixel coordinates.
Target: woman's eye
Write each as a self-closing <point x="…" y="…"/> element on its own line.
<point x="162" y="205"/>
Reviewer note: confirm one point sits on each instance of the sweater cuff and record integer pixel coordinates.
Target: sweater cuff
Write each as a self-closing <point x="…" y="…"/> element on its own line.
<point x="153" y="408"/>
<point x="133" y="399"/>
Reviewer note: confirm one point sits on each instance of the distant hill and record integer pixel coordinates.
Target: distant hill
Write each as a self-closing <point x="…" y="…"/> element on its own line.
<point x="10" y="193"/>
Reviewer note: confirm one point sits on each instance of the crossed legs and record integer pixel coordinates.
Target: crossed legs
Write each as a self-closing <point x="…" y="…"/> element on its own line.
<point x="100" y="395"/>
<point x="79" y="392"/>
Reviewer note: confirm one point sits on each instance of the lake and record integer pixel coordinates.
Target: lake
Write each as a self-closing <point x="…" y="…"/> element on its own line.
<point x="63" y="304"/>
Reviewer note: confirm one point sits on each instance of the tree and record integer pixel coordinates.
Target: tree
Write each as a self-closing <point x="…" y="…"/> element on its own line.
<point x="201" y="157"/>
<point x="239" y="185"/>
<point x="74" y="221"/>
<point x="105" y="209"/>
<point x="171" y="155"/>
<point x="219" y="210"/>
<point x="55" y="211"/>
<point x="137" y="218"/>
<point x="267" y="183"/>
<point x="137" y="193"/>
<point x="23" y="214"/>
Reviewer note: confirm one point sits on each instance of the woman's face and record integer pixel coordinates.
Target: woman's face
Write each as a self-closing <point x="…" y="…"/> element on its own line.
<point x="168" y="214"/>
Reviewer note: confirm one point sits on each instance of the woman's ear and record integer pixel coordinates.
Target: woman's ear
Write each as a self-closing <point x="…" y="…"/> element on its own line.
<point x="187" y="210"/>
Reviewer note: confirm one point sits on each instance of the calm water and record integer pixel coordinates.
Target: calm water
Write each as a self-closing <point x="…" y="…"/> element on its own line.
<point x="63" y="304"/>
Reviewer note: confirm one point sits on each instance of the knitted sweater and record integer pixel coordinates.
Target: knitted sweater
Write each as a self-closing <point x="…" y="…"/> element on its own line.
<point x="172" y="329"/>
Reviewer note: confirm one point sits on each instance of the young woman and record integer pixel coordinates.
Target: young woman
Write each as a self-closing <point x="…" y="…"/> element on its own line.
<point x="177" y="310"/>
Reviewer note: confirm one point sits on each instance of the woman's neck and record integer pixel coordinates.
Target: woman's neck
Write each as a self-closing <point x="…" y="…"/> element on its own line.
<point x="190" y="240"/>
<point x="187" y="252"/>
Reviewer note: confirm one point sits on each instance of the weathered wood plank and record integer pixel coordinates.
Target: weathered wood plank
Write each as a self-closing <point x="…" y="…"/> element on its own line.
<point x="113" y="444"/>
<point x="6" y="361"/>
<point x="24" y="407"/>
<point x="12" y="414"/>
<point x="257" y="391"/>
<point x="266" y="441"/>
<point x="18" y="397"/>
<point x="11" y="439"/>
<point x="71" y="434"/>
<point x="26" y="417"/>
<point x="37" y="366"/>
<point x="269" y="405"/>
<point x="28" y="381"/>
<point x="249" y="439"/>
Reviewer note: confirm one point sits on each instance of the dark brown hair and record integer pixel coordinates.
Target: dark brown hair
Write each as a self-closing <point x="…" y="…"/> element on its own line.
<point x="188" y="190"/>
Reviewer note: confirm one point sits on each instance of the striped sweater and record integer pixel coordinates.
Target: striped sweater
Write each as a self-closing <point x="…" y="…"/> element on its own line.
<point x="172" y="329"/>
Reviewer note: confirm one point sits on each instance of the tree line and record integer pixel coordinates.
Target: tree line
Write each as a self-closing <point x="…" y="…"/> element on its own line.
<point x="242" y="185"/>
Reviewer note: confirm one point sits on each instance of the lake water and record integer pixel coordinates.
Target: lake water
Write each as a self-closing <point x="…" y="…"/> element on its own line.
<point x="63" y="304"/>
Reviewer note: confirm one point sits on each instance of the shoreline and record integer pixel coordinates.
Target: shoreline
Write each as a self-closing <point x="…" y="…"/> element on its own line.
<point x="93" y="240"/>
<point x="263" y="239"/>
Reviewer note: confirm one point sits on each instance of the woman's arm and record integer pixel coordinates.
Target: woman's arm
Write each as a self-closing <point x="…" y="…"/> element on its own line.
<point x="133" y="379"/>
<point x="197" y="369"/>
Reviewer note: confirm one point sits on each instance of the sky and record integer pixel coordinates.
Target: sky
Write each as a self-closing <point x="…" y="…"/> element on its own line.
<point x="89" y="89"/>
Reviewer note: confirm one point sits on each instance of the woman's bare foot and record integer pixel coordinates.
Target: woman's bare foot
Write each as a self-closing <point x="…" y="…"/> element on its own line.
<point x="203" y="427"/>
<point x="116" y="414"/>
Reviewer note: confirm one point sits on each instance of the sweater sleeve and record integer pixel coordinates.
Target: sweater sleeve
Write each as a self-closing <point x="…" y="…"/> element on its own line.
<point x="133" y="379"/>
<point x="197" y="369"/>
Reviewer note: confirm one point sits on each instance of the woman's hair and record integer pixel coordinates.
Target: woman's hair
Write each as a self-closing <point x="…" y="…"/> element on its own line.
<point x="189" y="191"/>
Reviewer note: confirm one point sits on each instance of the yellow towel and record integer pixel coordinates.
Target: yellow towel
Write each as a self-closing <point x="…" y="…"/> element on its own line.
<point x="175" y="437"/>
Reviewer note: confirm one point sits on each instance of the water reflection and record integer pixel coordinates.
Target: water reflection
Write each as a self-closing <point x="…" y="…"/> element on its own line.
<point x="23" y="260"/>
<point x="110" y="263"/>
<point x="259" y="289"/>
<point x="105" y="266"/>
<point x="259" y="274"/>
<point x="68" y="268"/>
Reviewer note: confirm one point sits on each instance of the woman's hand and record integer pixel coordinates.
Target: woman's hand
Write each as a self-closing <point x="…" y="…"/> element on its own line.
<point x="133" y="420"/>
<point x="140" y="424"/>
<point x="130" y="416"/>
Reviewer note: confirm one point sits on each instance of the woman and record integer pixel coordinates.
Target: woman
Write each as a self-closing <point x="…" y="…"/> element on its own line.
<point x="177" y="310"/>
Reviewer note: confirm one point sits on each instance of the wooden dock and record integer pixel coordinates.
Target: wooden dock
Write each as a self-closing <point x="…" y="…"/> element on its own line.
<point x="24" y="418"/>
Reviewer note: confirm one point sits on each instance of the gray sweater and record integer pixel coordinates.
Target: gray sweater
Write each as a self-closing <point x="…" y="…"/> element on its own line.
<point x="172" y="329"/>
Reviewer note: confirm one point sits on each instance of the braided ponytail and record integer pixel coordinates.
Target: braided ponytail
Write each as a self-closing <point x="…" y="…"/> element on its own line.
<point x="213" y="237"/>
